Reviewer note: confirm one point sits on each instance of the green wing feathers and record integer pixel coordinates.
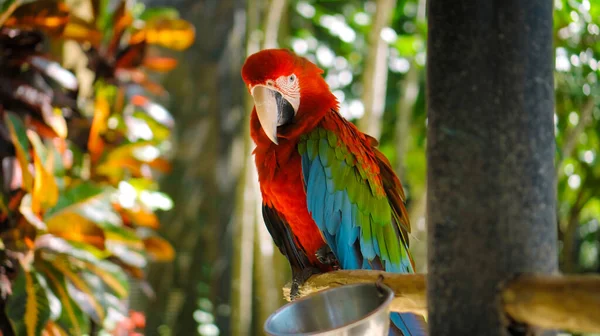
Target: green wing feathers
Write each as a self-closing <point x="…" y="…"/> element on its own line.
<point x="355" y="199"/>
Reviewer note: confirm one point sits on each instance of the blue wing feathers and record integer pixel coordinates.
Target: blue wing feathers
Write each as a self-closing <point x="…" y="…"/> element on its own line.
<point x="409" y="324"/>
<point x="343" y="224"/>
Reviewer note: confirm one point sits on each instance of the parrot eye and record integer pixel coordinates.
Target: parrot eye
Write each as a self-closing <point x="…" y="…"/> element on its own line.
<point x="292" y="78"/>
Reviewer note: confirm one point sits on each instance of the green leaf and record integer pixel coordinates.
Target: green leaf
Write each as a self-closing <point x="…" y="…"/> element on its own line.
<point x="124" y="244"/>
<point x="28" y="307"/>
<point x="72" y="226"/>
<point x="18" y="136"/>
<point x="72" y="317"/>
<point x="159" y="13"/>
<point x="80" y="290"/>
<point x="74" y="195"/>
<point x="111" y="275"/>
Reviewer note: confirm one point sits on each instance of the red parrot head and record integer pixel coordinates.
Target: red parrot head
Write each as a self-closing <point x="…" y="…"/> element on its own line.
<point x="285" y="88"/>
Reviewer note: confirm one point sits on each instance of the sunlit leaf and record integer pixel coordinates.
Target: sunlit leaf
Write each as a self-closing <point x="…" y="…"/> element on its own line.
<point x="55" y="71"/>
<point x="112" y="276"/>
<point x="32" y="217"/>
<point x="128" y="255"/>
<point x="141" y="217"/>
<point x="159" y="249"/>
<point x="49" y="15"/>
<point x="71" y="316"/>
<point x="81" y="31"/>
<point x="74" y="227"/>
<point x="79" y="290"/>
<point x="124" y="244"/>
<point x="18" y="136"/>
<point x="45" y="190"/>
<point x="101" y="113"/>
<point x="161" y="64"/>
<point x="75" y="195"/>
<point x="156" y="111"/>
<point x="28" y="308"/>
<point x="174" y="34"/>
<point x="124" y="236"/>
<point x="54" y="118"/>
<point x="161" y="131"/>
<point x="120" y="156"/>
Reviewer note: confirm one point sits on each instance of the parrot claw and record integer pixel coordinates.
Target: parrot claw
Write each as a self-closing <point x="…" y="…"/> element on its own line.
<point x="298" y="279"/>
<point x="326" y="257"/>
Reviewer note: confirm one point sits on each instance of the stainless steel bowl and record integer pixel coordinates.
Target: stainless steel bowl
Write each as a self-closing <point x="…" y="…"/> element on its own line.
<point x="361" y="309"/>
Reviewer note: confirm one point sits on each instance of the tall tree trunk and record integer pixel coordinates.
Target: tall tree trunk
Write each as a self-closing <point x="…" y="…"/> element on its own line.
<point x="207" y="103"/>
<point x="491" y="178"/>
<point x="376" y="69"/>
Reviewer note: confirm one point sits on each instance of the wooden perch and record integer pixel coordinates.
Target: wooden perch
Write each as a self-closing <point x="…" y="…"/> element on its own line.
<point x="409" y="288"/>
<point x="550" y="302"/>
<point x="555" y="302"/>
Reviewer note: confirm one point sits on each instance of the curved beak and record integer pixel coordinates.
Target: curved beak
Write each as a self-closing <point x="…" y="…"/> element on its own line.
<point x="273" y="110"/>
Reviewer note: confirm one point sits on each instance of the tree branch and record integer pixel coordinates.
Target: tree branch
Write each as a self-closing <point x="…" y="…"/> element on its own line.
<point x="550" y="302"/>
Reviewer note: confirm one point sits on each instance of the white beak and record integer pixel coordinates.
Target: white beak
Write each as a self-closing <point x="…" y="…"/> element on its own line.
<point x="266" y="108"/>
<point x="273" y="110"/>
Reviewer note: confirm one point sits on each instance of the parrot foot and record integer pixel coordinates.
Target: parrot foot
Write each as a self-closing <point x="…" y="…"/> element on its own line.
<point x="298" y="279"/>
<point x="326" y="257"/>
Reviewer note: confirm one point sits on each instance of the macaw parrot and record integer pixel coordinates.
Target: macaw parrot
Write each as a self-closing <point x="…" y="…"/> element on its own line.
<point x="330" y="198"/>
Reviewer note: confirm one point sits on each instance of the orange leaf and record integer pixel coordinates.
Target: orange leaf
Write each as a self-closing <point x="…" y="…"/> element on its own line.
<point x="132" y="56"/>
<point x="82" y="31"/>
<point x="143" y="217"/>
<point x="49" y="15"/>
<point x="161" y="64"/>
<point x="40" y="128"/>
<point x="53" y="329"/>
<point x="174" y="34"/>
<point x="45" y="190"/>
<point x="160" y="164"/>
<point x="74" y="227"/>
<point x="159" y="249"/>
<point x="101" y="113"/>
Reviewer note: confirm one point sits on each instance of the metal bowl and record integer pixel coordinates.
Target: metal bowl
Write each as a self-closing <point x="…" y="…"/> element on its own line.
<point x="360" y="309"/>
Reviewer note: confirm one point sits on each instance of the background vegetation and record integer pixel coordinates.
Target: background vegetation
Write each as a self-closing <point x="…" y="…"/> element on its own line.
<point x="81" y="152"/>
<point x="226" y="275"/>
